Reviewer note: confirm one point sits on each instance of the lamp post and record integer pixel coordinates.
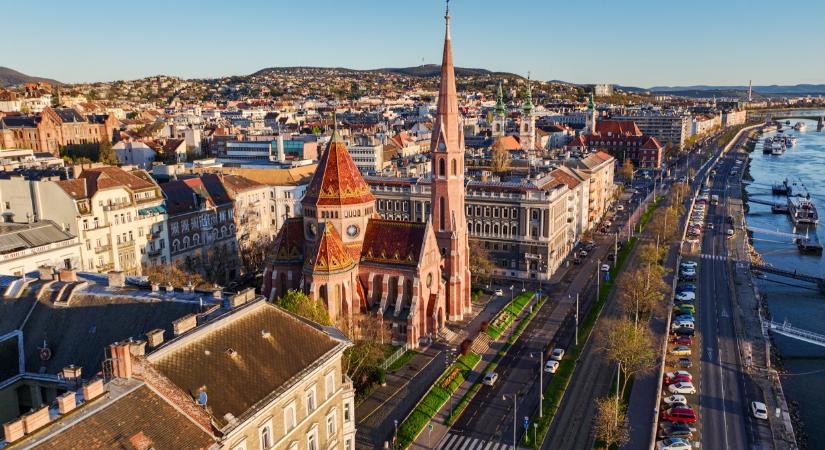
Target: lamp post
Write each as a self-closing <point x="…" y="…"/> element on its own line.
<point x="577" y="315"/>
<point x="395" y="435"/>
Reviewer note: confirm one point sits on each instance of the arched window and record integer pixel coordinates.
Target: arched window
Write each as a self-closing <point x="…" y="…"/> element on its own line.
<point x="486" y="228"/>
<point x="478" y="227"/>
<point x="196" y="239"/>
<point x="441" y="206"/>
<point x="186" y="242"/>
<point x="175" y="245"/>
<point x="495" y="228"/>
<point x="453" y="168"/>
<point x="441" y="170"/>
<point x="223" y="231"/>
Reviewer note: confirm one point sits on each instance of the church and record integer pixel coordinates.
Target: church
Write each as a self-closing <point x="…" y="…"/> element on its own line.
<point x="410" y="276"/>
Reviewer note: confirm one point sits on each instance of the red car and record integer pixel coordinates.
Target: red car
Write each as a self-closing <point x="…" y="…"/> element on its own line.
<point x="679" y="414"/>
<point x="677" y="379"/>
<point x="682" y="340"/>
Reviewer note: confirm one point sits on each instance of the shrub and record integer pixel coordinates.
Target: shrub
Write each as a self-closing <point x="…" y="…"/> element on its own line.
<point x="484" y="325"/>
<point x="466" y="345"/>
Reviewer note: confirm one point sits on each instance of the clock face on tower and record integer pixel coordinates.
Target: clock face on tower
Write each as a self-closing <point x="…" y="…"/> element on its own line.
<point x="353" y="230"/>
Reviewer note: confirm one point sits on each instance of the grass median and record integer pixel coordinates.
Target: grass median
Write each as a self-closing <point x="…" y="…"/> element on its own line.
<point x="435" y="398"/>
<point x="508" y="314"/>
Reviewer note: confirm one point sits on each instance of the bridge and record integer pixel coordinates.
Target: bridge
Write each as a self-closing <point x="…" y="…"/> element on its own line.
<point x="795" y="333"/>
<point x="819" y="282"/>
<point x="785" y="114"/>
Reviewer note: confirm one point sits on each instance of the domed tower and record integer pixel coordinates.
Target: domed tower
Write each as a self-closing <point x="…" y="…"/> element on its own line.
<point x="338" y="195"/>
<point x="448" y="214"/>
<point x="527" y="127"/>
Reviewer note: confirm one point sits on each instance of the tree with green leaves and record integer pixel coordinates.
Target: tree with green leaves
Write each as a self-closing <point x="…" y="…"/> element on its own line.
<point x="627" y="170"/>
<point x="106" y="154"/>
<point x="300" y="304"/>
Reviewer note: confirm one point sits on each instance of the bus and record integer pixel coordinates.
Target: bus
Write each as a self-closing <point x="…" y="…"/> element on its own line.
<point x="714" y="199"/>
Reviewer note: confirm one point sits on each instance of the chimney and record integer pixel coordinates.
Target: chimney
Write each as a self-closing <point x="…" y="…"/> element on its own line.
<point x="68" y="275"/>
<point x="45" y="273"/>
<point x="237" y="300"/>
<point x="137" y="348"/>
<point x="92" y="390"/>
<point x="72" y="372"/>
<point x="117" y="278"/>
<point x="121" y="359"/>
<point x="184" y="324"/>
<point x="36" y="419"/>
<point x="155" y="337"/>
<point x="14" y="430"/>
<point x="67" y="402"/>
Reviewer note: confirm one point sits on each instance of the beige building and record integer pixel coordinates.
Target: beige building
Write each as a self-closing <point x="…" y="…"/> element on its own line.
<point x="118" y="215"/>
<point x="599" y="167"/>
<point x="253" y="213"/>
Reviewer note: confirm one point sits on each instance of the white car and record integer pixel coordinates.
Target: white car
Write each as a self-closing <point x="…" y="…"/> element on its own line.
<point x="551" y="366"/>
<point x="605" y="267"/>
<point x="490" y="379"/>
<point x="673" y="444"/>
<point x="682" y="388"/>
<point x="685" y="296"/>
<point x="691" y="264"/>
<point x="760" y="411"/>
<point x="619" y="207"/>
<point x="499" y="292"/>
<point x="557" y="355"/>
<point x="675" y="399"/>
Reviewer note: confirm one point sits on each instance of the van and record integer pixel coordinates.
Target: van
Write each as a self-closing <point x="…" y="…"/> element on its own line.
<point x="682" y="324"/>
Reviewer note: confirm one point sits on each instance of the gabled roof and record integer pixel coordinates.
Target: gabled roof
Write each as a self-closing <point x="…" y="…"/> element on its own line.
<point x="244" y="357"/>
<point x="93" y="180"/>
<point x="236" y="183"/>
<point x="617" y="127"/>
<point x="288" y="247"/>
<point x="393" y="242"/>
<point x="185" y="196"/>
<point x="508" y="143"/>
<point x="329" y="255"/>
<point x="337" y="181"/>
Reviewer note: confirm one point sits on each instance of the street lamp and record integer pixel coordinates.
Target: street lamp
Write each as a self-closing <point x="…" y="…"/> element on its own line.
<point x="395" y="436"/>
<point x="511" y="292"/>
<point x="515" y="417"/>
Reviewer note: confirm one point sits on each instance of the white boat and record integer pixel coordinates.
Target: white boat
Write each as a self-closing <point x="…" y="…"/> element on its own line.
<point x="777" y="147"/>
<point x="800" y="126"/>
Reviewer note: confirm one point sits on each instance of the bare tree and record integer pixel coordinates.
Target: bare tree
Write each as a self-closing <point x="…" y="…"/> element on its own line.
<point x="630" y="345"/>
<point x="610" y="424"/>
<point x="480" y="265"/>
<point x="626" y="170"/>
<point x="501" y="159"/>
<point x="642" y="290"/>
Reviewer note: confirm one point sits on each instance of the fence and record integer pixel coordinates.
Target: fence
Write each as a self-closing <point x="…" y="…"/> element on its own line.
<point x="394" y="357"/>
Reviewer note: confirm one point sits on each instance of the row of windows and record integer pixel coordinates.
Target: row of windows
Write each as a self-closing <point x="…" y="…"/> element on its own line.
<point x="196" y="238"/>
<point x="496" y="212"/>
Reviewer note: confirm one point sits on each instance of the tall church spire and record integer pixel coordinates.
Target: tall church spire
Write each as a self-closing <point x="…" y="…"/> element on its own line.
<point x="448" y="217"/>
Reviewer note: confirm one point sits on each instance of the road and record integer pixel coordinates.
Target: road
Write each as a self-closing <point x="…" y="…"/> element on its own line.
<point x="723" y="402"/>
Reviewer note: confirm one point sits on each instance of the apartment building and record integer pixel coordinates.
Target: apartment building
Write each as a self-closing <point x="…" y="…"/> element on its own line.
<point x="599" y="168"/>
<point x="53" y="128"/>
<point x="118" y="215"/>
<point x="367" y="152"/>
<point x="28" y="246"/>
<point x="668" y="127"/>
<point x="253" y="215"/>
<point x="527" y="227"/>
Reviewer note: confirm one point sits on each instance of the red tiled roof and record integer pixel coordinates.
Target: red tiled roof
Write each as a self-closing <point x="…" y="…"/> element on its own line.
<point x="508" y="143"/>
<point x="330" y="254"/>
<point x="393" y="242"/>
<point x="625" y="127"/>
<point x="337" y="180"/>
<point x="289" y="243"/>
<point x="93" y="180"/>
<point x="565" y="178"/>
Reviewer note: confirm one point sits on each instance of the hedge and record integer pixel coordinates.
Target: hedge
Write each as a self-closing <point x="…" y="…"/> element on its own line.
<point x="435" y="398"/>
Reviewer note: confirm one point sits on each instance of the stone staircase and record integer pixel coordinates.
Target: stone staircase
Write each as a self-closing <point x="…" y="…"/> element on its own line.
<point x="481" y="343"/>
<point x="447" y="334"/>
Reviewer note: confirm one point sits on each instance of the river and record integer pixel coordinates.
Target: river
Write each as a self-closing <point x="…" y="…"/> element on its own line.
<point x="802" y="307"/>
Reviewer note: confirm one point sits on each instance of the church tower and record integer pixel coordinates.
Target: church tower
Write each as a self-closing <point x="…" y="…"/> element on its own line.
<point x="448" y="215"/>
<point x="500" y="114"/>
<point x="527" y="127"/>
<point x="590" y="121"/>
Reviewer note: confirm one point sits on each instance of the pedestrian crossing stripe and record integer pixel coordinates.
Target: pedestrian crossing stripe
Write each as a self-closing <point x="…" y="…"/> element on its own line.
<point x="457" y="442"/>
<point x="714" y="257"/>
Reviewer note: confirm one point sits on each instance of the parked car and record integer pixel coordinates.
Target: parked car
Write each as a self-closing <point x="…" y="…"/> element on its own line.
<point x="490" y="378"/>
<point x="557" y="355"/>
<point x="682" y="324"/>
<point x="688" y="287"/>
<point x="760" y="411"/>
<point x="675" y="399"/>
<point x="680" y="350"/>
<point x="673" y="380"/>
<point x="684" y="330"/>
<point x="685" y="296"/>
<point x="676" y="429"/>
<point x="678" y="373"/>
<point x="611" y="256"/>
<point x="729" y="233"/>
<point x="689" y="264"/>
<point x="679" y="414"/>
<point x="685" y="309"/>
<point x="673" y="443"/>
<point x="605" y="267"/>
<point x="551" y="366"/>
<point x="682" y="340"/>
<point x="583" y="254"/>
<point x="685" y="363"/>
<point x="499" y="292"/>
<point x="682" y="388"/>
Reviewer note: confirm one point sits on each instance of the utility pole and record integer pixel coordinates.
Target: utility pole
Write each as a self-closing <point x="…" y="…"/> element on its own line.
<point x="618" y="373"/>
<point x="577" y="315"/>
<point x="541" y="381"/>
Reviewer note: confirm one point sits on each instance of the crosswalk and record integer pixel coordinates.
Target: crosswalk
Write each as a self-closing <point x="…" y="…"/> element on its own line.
<point x="454" y="441"/>
<point x="713" y="257"/>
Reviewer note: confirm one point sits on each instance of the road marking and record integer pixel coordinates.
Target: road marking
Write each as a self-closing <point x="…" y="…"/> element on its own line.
<point x="458" y="442"/>
<point x="709" y="352"/>
<point x="722" y="384"/>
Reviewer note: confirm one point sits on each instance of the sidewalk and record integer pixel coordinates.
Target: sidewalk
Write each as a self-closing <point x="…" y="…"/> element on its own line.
<point x="430" y="438"/>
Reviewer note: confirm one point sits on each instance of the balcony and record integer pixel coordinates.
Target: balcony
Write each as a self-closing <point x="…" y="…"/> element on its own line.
<point x="106" y="267"/>
<point x="126" y="244"/>
<point x="154" y="253"/>
<point x="103" y="248"/>
<point x="116" y="206"/>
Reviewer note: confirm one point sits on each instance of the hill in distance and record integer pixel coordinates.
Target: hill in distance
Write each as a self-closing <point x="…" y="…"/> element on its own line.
<point x="699" y="90"/>
<point x="424" y="71"/>
<point x="11" y="77"/>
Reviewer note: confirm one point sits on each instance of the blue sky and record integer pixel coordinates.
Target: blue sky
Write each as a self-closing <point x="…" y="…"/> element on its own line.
<point x="631" y="42"/>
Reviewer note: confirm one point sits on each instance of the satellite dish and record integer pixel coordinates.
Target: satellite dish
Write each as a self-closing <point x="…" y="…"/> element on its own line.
<point x="202" y="398"/>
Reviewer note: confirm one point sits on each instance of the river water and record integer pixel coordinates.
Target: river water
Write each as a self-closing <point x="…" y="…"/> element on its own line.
<point x="801" y="305"/>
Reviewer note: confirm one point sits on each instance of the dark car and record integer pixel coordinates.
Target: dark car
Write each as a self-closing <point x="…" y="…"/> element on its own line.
<point x="685" y="363"/>
<point x="684" y="331"/>
<point x="611" y="256"/>
<point x="675" y="430"/>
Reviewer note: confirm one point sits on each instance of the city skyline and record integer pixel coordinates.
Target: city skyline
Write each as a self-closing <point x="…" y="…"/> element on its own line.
<point x="577" y="43"/>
